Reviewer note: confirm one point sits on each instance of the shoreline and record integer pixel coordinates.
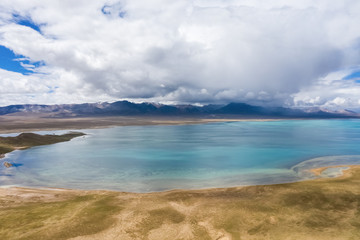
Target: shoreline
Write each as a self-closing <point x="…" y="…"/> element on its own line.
<point x="317" y="172"/>
<point x="198" y="121"/>
<point x="16" y="124"/>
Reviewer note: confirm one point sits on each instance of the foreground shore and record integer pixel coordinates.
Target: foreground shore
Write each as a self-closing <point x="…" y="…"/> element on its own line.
<point x="326" y="208"/>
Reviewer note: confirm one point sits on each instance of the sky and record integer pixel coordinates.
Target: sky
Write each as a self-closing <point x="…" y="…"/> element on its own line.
<point x="292" y="53"/>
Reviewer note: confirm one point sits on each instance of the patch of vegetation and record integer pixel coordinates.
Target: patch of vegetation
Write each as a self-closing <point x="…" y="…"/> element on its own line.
<point x="200" y="232"/>
<point x="5" y="149"/>
<point x="82" y="215"/>
<point x="159" y="216"/>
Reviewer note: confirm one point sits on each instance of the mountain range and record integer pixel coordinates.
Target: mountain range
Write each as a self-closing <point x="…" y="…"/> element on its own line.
<point x="126" y="108"/>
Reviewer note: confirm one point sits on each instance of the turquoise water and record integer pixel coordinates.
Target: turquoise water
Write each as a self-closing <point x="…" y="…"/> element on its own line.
<point x="155" y="158"/>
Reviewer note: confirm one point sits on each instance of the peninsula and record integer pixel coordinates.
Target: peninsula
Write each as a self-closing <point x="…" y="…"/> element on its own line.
<point x="27" y="140"/>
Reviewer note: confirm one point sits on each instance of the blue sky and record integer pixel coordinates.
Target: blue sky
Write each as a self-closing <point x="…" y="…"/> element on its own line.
<point x="8" y="61"/>
<point x="16" y="63"/>
<point x="353" y="76"/>
<point x="25" y="21"/>
<point x="281" y="53"/>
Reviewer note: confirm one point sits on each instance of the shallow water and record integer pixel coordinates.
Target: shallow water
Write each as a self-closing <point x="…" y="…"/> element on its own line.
<point x="155" y="158"/>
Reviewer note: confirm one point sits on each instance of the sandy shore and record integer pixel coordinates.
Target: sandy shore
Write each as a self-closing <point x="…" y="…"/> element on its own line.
<point x="15" y="123"/>
<point x="319" y="171"/>
<point x="325" y="208"/>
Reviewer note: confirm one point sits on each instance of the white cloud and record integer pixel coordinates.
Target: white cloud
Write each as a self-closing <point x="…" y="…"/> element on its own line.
<point x="329" y="93"/>
<point x="261" y="52"/>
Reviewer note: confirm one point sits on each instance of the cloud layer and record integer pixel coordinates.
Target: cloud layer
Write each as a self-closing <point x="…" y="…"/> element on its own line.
<point x="293" y="53"/>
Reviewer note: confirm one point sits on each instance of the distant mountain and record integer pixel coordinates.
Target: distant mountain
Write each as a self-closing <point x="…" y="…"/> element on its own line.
<point x="125" y="108"/>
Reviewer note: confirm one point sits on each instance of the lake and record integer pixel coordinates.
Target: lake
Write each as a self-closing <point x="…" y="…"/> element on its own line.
<point x="157" y="158"/>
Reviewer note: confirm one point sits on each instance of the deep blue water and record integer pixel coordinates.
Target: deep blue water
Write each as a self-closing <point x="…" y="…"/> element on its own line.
<point x="154" y="158"/>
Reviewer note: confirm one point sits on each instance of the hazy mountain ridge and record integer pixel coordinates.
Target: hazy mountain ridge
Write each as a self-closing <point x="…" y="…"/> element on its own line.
<point x="129" y="108"/>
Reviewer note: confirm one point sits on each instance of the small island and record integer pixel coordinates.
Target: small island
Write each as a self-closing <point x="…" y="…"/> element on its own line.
<point x="28" y="140"/>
